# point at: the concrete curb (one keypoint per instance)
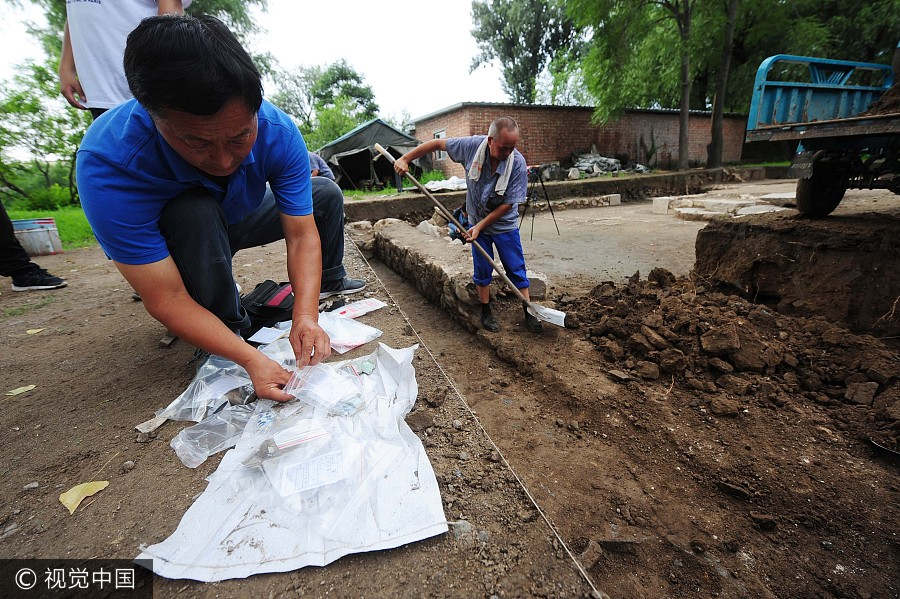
(633, 188)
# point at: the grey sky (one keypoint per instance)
(415, 56)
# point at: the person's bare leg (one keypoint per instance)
(484, 293)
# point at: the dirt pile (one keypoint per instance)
(843, 267)
(731, 352)
(888, 103)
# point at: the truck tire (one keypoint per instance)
(819, 195)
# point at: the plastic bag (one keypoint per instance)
(214, 433)
(346, 333)
(309, 466)
(335, 390)
(205, 394)
(358, 308)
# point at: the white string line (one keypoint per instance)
(597, 592)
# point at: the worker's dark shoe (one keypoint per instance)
(533, 324)
(36, 279)
(489, 323)
(345, 286)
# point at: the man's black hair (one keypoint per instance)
(189, 64)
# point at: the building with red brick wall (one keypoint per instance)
(554, 133)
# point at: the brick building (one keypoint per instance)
(551, 133)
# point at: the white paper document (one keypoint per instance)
(267, 335)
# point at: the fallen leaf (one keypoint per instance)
(19, 390)
(33, 331)
(74, 496)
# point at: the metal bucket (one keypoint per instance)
(38, 236)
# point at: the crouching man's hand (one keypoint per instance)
(311, 344)
(268, 378)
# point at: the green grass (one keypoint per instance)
(757, 164)
(19, 310)
(362, 194)
(74, 230)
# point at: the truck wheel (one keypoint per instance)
(819, 195)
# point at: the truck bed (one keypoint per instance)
(865, 125)
(830, 104)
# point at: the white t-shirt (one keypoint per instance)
(98, 30)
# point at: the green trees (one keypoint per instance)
(630, 56)
(325, 102)
(645, 53)
(40, 133)
(690, 54)
(717, 135)
(523, 35)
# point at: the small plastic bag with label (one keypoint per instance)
(311, 465)
(336, 391)
(346, 333)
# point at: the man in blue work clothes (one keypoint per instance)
(318, 167)
(496, 182)
(196, 168)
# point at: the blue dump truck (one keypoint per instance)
(845, 116)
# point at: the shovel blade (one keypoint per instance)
(550, 315)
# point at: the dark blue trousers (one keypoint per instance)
(13, 259)
(202, 243)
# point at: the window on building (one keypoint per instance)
(440, 135)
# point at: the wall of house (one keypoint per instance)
(554, 133)
(649, 137)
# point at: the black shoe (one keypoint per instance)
(533, 324)
(36, 279)
(489, 323)
(345, 286)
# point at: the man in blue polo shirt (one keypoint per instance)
(196, 168)
(496, 183)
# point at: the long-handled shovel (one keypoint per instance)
(550, 315)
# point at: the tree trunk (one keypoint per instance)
(700, 90)
(44, 171)
(717, 144)
(683, 121)
(13, 186)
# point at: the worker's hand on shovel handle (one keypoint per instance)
(472, 234)
(401, 166)
(268, 378)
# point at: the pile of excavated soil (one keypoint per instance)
(732, 351)
(843, 267)
(888, 103)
